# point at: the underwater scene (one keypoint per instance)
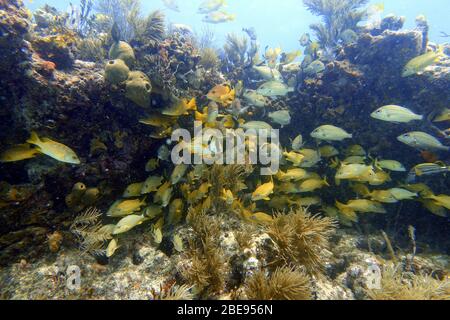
(224, 150)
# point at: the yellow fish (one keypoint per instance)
(228, 122)
(175, 212)
(19, 153)
(128, 223)
(159, 121)
(420, 63)
(151, 184)
(209, 6)
(355, 160)
(112, 248)
(261, 218)
(419, 188)
(271, 56)
(443, 116)
(353, 171)
(293, 175)
(306, 202)
(330, 133)
(390, 165)
(178, 244)
(364, 206)
(152, 165)
(181, 108)
(311, 158)
(263, 192)
(379, 178)
(153, 211)
(328, 151)
(222, 94)
(178, 173)
(227, 196)
(202, 117)
(287, 58)
(164, 194)
(346, 216)
(294, 157)
(123, 208)
(348, 213)
(54, 149)
(288, 188)
(434, 208)
(355, 150)
(383, 196)
(157, 235)
(402, 194)
(219, 17)
(441, 200)
(312, 185)
(133, 190)
(161, 133)
(279, 202)
(395, 114)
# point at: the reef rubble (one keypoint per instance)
(142, 271)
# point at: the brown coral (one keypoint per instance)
(54, 241)
(397, 285)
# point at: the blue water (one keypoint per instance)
(281, 22)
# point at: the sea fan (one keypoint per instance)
(91, 234)
(235, 49)
(337, 16)
(155, 26)
(126, 13)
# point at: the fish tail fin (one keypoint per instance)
(199, 117)
(426, 194)
(34, 139)
(192, 105)
(326, 182)
(340, 205)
